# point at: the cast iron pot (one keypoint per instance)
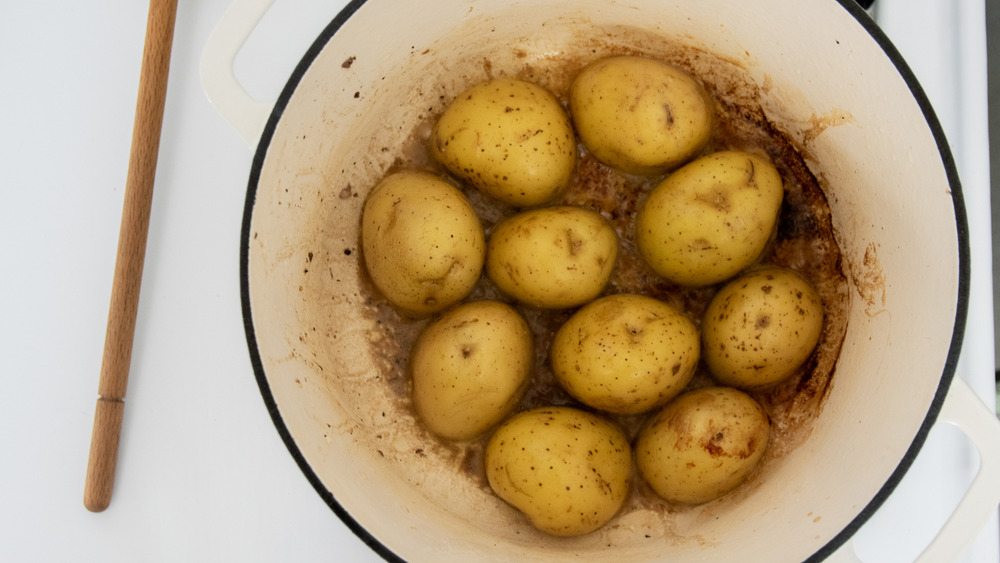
(821, 71)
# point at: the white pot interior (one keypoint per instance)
(324, 359)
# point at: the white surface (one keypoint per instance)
(202, 474)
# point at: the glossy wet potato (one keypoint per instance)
(711, 219)
(760, 327)
(568, 470)
(702, 445)
(470, 368)
(509, 138)
(552, 257)
(423, 244)
(625, 353)
(640, 115)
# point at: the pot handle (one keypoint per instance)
(963, 409)
(244, 113)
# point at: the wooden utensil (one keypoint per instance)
(131, 254)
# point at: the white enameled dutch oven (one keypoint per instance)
(823, 73)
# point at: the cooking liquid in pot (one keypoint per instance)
(804, 240)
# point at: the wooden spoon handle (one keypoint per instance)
(131, 254)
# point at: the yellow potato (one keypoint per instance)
(509, 138)
(554, 257)
(710, 219)
(567, 470)
(702, 445)
(759, 328)
(640, 115)
(422, 242)
(625, 354)
(470, 368)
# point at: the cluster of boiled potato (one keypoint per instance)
(570, 469)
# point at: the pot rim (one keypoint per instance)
(948, 372)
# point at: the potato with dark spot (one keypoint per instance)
(625, 354)
(711, 219)
(553, 257)
(759, 328)
(470, 368)
(640, 115)
(422, 242)
(567, 470)
(509, 138)
(702, 445)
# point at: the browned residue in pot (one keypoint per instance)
(869, 281)
(804, 241)
(820, 123)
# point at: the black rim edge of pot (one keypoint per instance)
(866, 513)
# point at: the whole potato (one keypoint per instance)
(702, 445)
(625, 353)
(553, 257)
(710, 219)
(567, 470)
(422, 242)
(640, 115)
(760, 327)
(470, 368)
(509, 138)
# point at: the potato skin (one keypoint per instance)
(759, 328)
(625, 354)
(509, 138)
(567, 470)
(640, 115)
(553, 257)
(710, 219)
(470, 367)
(702, 445)
(422, 242)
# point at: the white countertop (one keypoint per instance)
(202, 473)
